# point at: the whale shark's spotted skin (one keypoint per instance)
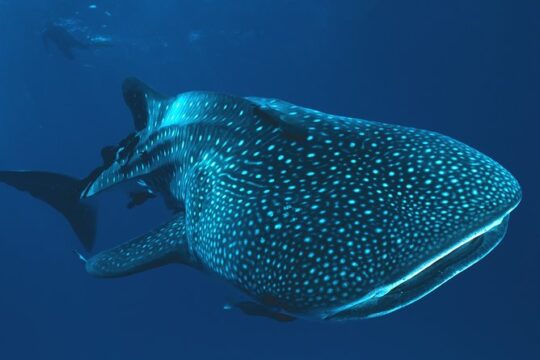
(311, 214)
(322, 222)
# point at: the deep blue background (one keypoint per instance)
(468, 69)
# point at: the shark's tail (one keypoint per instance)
(62, 193)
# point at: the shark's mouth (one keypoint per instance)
(427, 278)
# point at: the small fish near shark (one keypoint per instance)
(311, 215)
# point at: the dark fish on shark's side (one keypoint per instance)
(140, 197)
(66, 42)
(312, 215)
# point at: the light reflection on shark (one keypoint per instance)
(312, 215)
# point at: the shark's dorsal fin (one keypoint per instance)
(146, 104)
(291, 129)
(276, 113)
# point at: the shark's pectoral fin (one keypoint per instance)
(165, 245)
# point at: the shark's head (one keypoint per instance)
(369, 217)
(434, 208)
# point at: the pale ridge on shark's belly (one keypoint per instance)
(311, 214)
(375, 296)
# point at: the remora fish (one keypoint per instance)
(313, 215)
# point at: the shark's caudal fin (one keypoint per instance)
(62, 193)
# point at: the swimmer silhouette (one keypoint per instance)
(66, 42)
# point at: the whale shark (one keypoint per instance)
(310, 215)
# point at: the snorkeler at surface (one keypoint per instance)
(65, 41)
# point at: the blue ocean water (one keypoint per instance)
(468, 69)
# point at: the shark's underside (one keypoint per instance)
(311, 214)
